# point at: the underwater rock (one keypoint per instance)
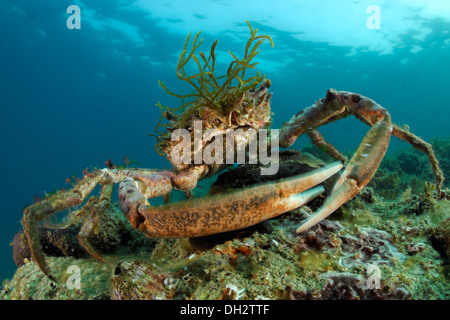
(137, 280)
(412, 204)
(29, 283)
(208, 242)
(440, 240)
(367, 195)
(329, 261)
(369, 245)
(414, 248)
(291, 163)
(55, 243)
(319, 237)
(366, 245)
(348, 286)
(112, 231)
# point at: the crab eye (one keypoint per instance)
(330, 96)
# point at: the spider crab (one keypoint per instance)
(245, 105)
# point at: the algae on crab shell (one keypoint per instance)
(225, 93)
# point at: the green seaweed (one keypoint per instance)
(209, 89)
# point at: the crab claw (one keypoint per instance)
(340, 195)
(230, 211)
(364, 163)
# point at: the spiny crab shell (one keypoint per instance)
(251, 110)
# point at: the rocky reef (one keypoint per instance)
(390, 242)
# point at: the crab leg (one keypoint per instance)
(321, 112)
(225, 212)
(425, 147)
(319, 140)
(368, 156)
(136, 188)
(98, 208)
(39, 211)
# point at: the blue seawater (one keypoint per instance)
(72, 98)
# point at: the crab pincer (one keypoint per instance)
(225, 212)
(364, 163)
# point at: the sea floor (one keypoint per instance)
(390, 243)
